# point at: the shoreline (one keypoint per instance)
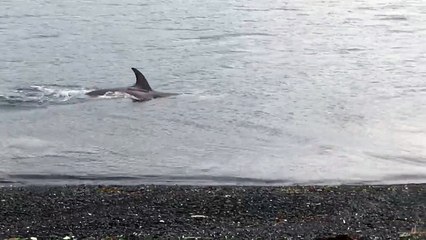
(214, 212)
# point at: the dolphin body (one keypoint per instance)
(141, 91)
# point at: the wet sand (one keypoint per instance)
(151, 211)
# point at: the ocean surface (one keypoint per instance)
(271, 92)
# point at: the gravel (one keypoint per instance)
(212, 212)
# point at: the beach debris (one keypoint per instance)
(193, 238)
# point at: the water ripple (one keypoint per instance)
(228, 35)
(401, 158)
(392, 17)
(267, 9)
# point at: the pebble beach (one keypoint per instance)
(213, 212)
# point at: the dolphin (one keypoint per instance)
(140, 91)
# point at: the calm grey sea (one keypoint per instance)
(272, 92)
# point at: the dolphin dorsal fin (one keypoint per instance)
(141, 81)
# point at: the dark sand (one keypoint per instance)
(134, 212)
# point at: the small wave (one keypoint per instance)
(267, 9)
(403, 178)
(350, 50)
(43, 179)
(26, 179)
(228, 35)
(392, 17)
(414, 160)
(23, 16)
(36, 36)
(188, 29)
(401, 31)
(366, 8)
(354, 49)
(235, 35)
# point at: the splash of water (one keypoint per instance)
(42, 96)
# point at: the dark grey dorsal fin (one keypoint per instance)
(141, 81)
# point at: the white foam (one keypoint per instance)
(113, 95)
(68, 94)
(61, 94)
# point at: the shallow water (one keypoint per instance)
(273, 92)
